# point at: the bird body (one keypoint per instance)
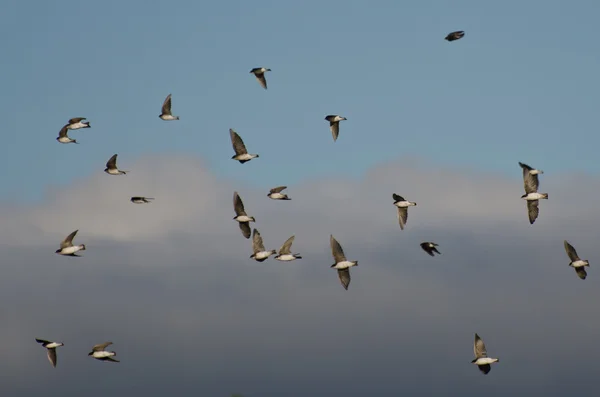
(67, 248)
(77, 123)
(63, 137)
(259, 253)
(275, 193)
(576, 262)
(402, 205)
(259, 73)
(481, 358)
(334, 124)
(111, 167)
(459, 34)
(50, 349)
(241, 154)
(341, 263)
(166, 110)
(430, 248)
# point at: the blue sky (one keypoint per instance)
(520, 86)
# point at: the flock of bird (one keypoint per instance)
(260, 254)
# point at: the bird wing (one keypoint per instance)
(42, 341)
(237, 142)
(278, 189)
(261, 79)
(335, 129)
(257, 242)
(581, 272)
(397, 197)
(76, 120)
(530, 182)
(63, 131)
(402, 216)
(344, 275)
(245, 228)
(571, 252)
(286, 248)
(101, 346)
(112, 162)
(533, 210)
(52, 356)
(486, 368)
(166, 107)
(336, 250)
(238, 205)
(68, 241)
(114, 360)
(479, 347)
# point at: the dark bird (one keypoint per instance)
(276, 194)
(481, 358)
(141, 200)
(455, 35)
(429, 247)
(241, 154)
(531, 184)
(50, 349)
(341, 263)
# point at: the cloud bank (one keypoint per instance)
(172, 285)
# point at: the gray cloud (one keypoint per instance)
(173, 280)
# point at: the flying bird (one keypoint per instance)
(276, 194)
(50, 349)
(481, 358)
(260, 76)
(531, 184)
(77, 123)
(258, 248)
(341, 264)
(240, 215)
(99, 352)
(576, 263)
(241, 154)
(402, 209)
(285, 252)
(334, 124)
(455, 35)
(111, 167)
(429, 247)
(166, 110)
(141, 200)
(67, 248)
(63, 137)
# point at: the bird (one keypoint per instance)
(429, 247)
(63, 137)
(285, 252)
(334, 124)
(99, 353)
(455, 35)
(260, 76)
(77, 123)
(240, 215)
(50, 349)
(67, 248)
(531, 184)
(241, 154)
(166, 110)
(481, 358)
(276, 194)
(111, 167)
(576, 263)
(341, 264)
(258, 248)
(402, 209)
(141, 200)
